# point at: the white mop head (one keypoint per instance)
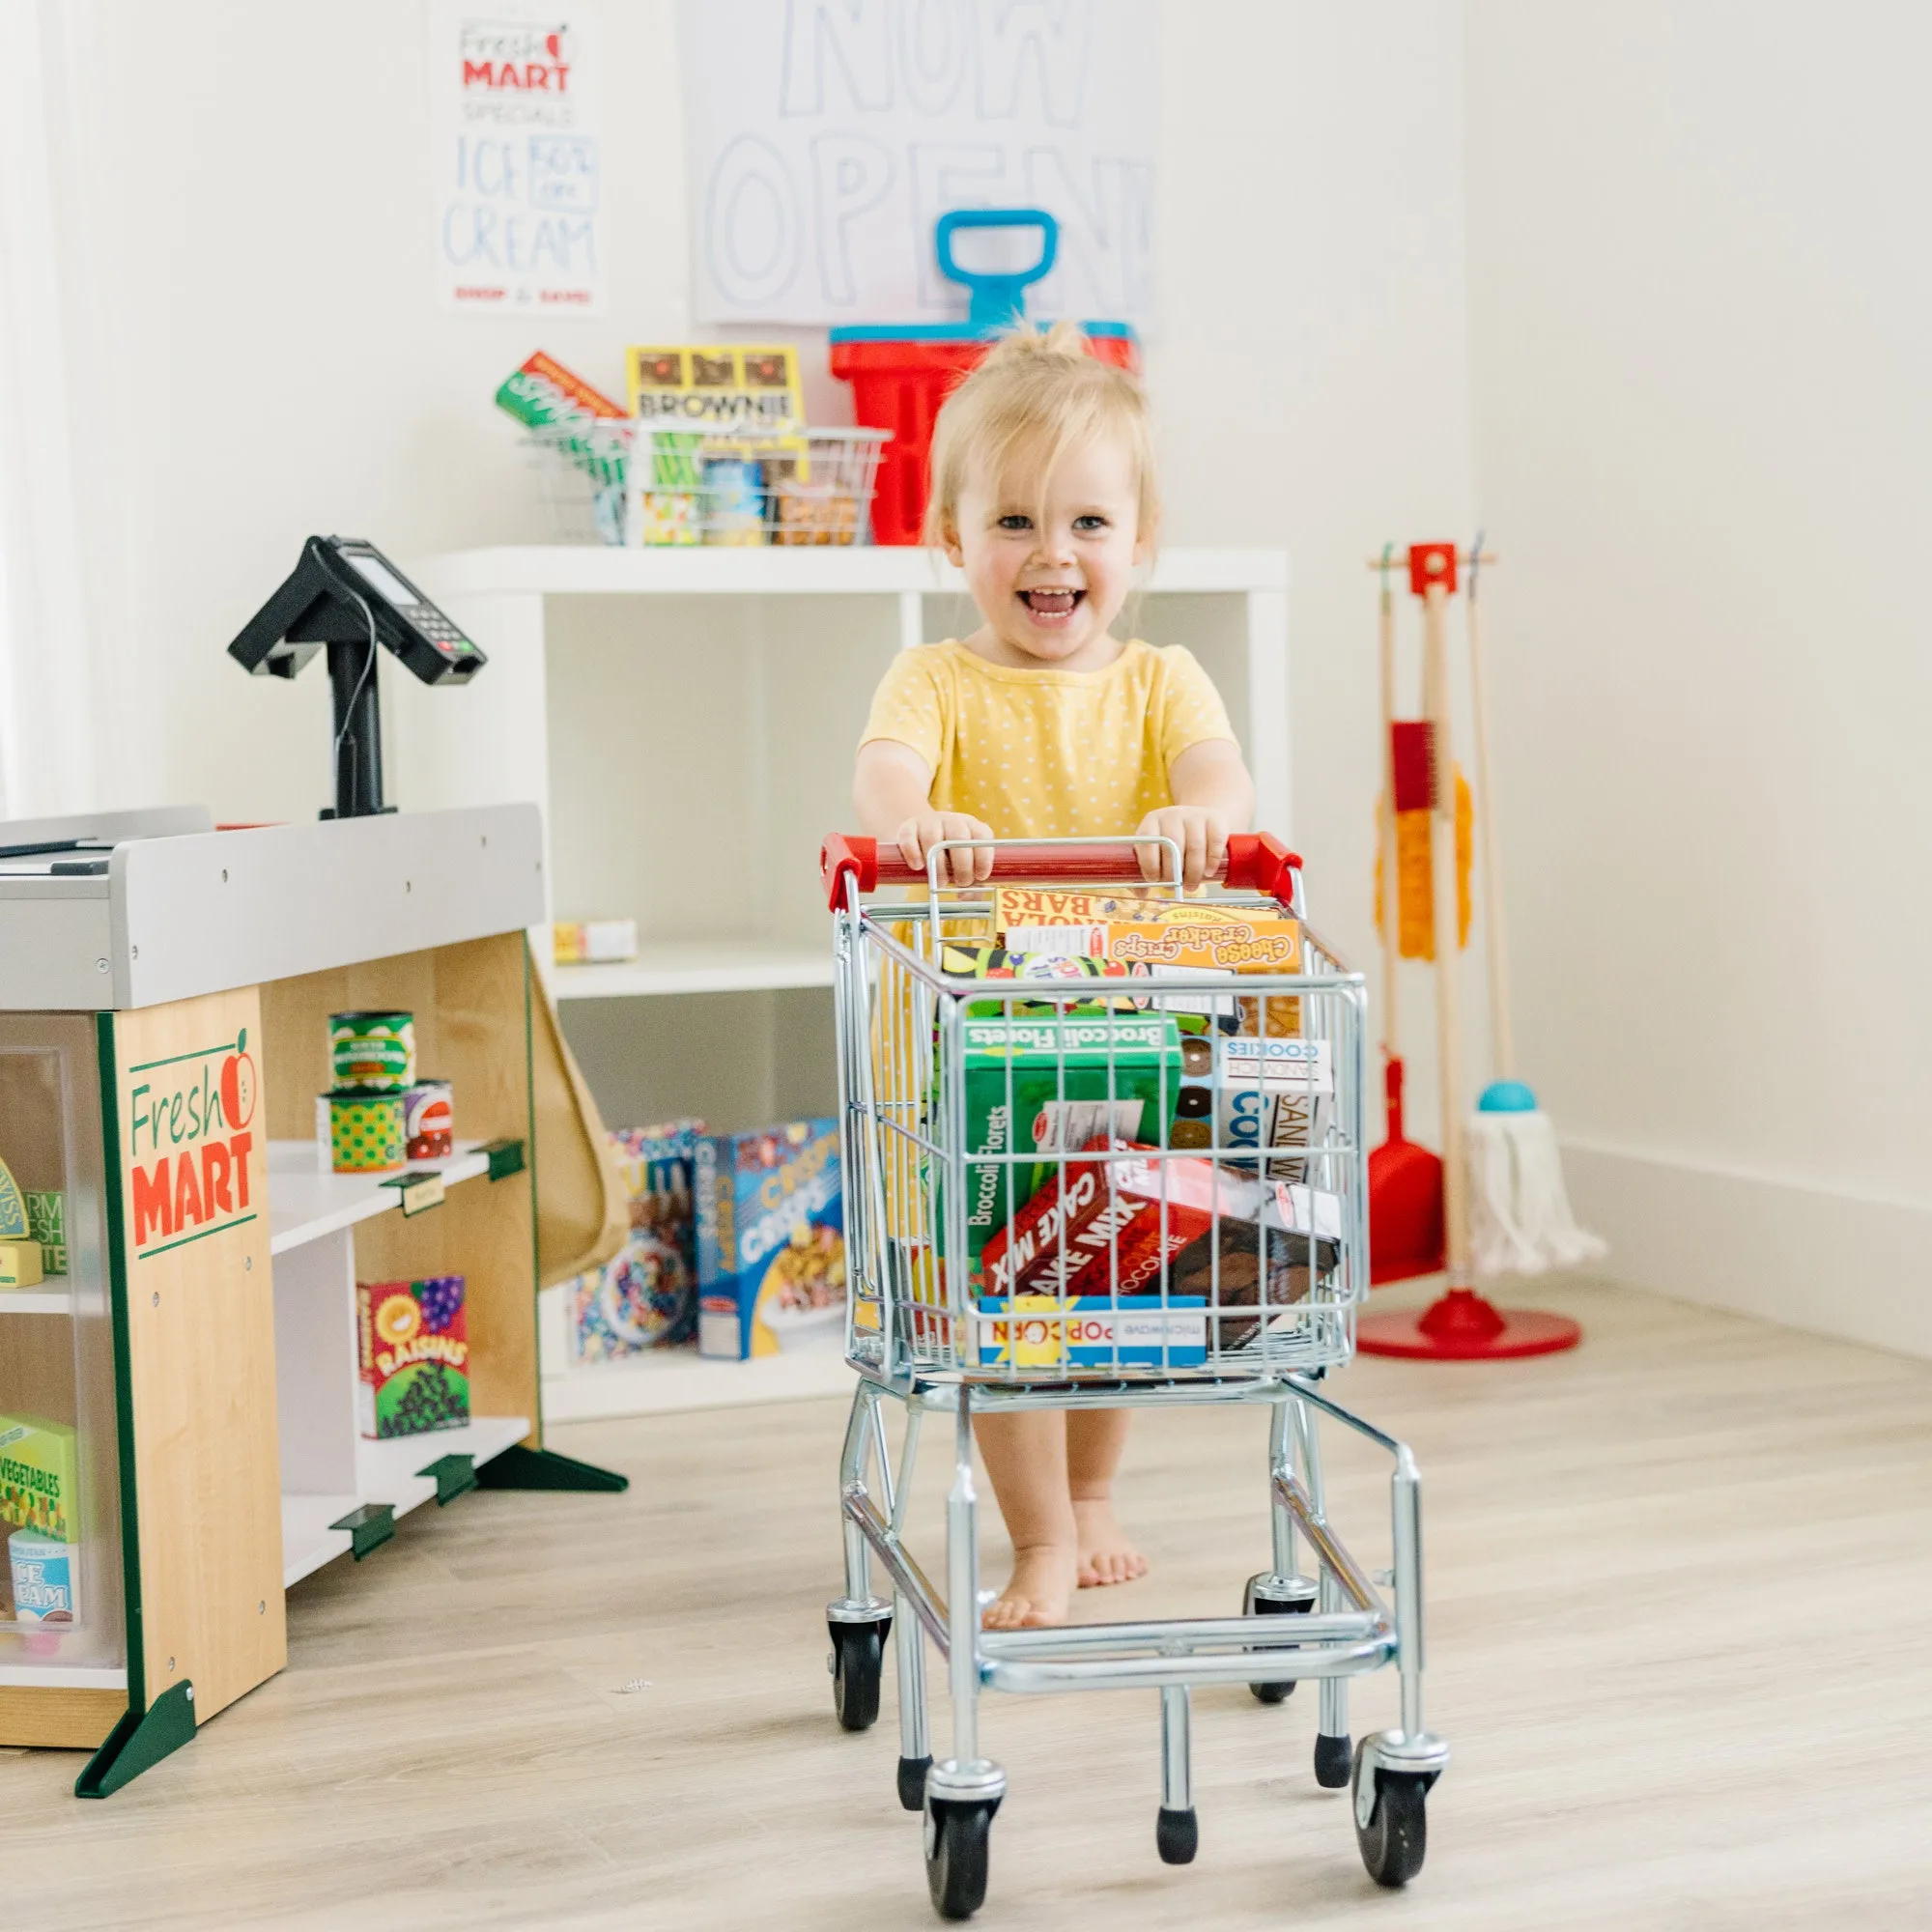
(1520, 1219)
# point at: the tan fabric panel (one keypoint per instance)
(581, 1211)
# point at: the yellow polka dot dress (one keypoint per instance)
(1049, 753)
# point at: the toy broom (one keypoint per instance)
(1459, 1326)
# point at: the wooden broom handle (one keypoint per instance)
(1503, 1042)
(1385, 831)
(1444, 897)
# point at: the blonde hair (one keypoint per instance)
(1036, 384)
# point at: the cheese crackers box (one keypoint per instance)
(1049, 1083)
(38, 1477)
(771, 1242)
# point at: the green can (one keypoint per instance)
(365, 1130)
(372, 1051)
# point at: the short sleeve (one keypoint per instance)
(1191, 711)
(909, 705)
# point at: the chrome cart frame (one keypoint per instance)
(917, 1335)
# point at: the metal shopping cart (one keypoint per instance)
(1127, 1182)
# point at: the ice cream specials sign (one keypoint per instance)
(190, 1145)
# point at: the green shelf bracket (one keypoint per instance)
(139, 1742)
(506, 1158)
(370, 1525)
(522, 1468)
(455, 1475)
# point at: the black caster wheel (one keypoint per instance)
(1331, 1761)
(912, 1782)
(1178, 1835)
(957, 1834)
(1396, 1835)
(858, 1663)
(1253, 1605)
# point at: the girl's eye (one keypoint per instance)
(1014, 521)
(1089, 524)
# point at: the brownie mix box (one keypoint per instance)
(771, 1242)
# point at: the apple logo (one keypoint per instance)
(238, 1084)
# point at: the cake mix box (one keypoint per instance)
(1045, 1082)
(39, 1489)
(771, 1242)
(415, 1351)
(645, 1296)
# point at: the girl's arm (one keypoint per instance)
(891, 791)
(1213, 796)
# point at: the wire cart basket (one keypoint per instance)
(619, 481)
(1119, 1183)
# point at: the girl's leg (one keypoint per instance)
(1025, 1455)
(1095, 1440)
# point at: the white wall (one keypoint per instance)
(257, 222)
(1701, 305)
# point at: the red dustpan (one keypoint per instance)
(1405, 1199)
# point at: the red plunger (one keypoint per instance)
(1404, 1198)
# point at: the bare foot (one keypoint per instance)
(1040, 1592)
(1106, 1557)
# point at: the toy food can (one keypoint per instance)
(365, 1131)
(43, 1578)
(372, 1051)
(429, 1120)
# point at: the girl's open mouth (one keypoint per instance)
(1046, 605)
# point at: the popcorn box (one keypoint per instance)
(771, 1242)
(1046, 1332)
(645, 1296)
(40, 1488)
(415, 1351)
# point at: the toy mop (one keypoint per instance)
(1461, 1326)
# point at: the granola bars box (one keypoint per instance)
(771, 1242)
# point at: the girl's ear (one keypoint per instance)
(948, 542)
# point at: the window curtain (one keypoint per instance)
(51, 744)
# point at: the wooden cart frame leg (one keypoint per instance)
(139, 1742)
(520, 1468)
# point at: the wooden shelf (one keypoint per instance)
(698, 966)
(387, 1473)
(304, 1204)
(784, 571)
(667, 1380)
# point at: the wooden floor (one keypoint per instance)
(1679, 1586)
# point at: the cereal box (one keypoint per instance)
(771, 1242)
(414, 1348)
(645, 1296)
(38, 1477)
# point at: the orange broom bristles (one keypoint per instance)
(1415, 889)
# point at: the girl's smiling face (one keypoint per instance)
(1050, 565)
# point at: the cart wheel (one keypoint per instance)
(957, 1834)
(912, 1782)
(1253, 1605)
(858, 1660)
(1177, 1834)
(1396, 1835)
(1331, 1761)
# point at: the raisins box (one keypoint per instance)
(415, 1347)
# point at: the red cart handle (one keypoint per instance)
(1257, 861)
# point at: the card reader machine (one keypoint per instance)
(347, 596)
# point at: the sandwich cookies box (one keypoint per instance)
(771, 1242)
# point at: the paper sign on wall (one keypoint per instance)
(826, 137)
(514, 116)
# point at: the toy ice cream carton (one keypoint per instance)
(771, 1242)
(43, 1578)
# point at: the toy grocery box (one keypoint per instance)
(1052, 1082)
(415, 1339)
(771, 1242)
(645, 1296)
(38, 1477)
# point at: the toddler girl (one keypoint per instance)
(1043, 724)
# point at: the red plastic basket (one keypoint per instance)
(900, 375)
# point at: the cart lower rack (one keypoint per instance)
(1103, 1172)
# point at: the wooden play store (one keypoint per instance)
(183, 1432)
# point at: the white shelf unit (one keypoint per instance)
(36, 1301)
(329, 1467)
(687, 720)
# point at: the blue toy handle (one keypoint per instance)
(996, 301)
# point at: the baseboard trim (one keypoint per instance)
(1806, 1258)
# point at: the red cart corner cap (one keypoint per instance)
(841, 855)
